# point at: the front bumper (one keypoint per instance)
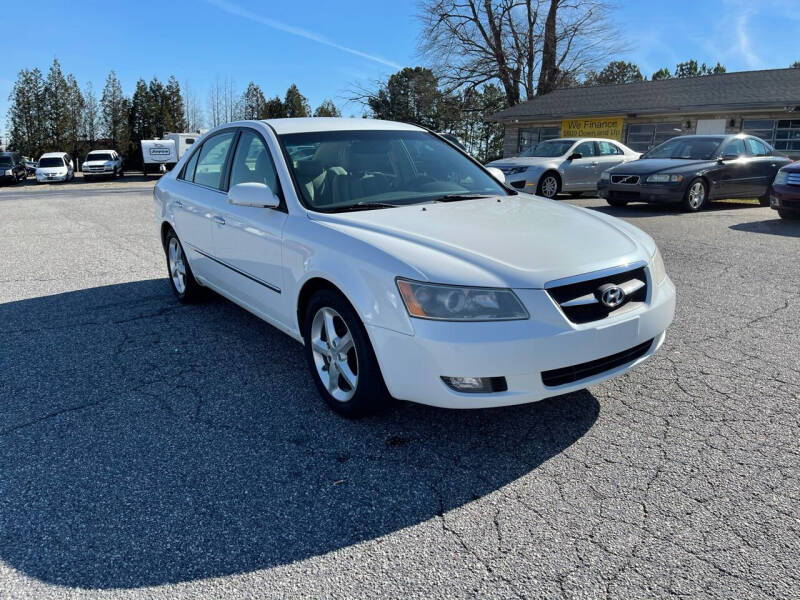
(662, 194)
(7, 178)
(785, 197)
(48, 179)
(520, 351)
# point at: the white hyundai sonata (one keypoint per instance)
(406, 268)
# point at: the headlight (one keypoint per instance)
(664, 178)
(514, 170)
(455, 303)
(605, 176)
(780, 177)
(9, 172)
(657, 270)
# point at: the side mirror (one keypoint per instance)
(257, 195)
(575, 155)
(497, 174)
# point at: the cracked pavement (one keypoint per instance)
(153, 450)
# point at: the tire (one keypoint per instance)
(576, 194)
(616, 202)
(181, 278)
(121, 173)
(696, 196)
(789, 215)
(549, 185)
(764, 200)
(359, 389)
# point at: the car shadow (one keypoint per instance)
(638, 210)
(144, 442)
(782, 227)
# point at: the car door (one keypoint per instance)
(194, 196)
(248, 241)
(579, 173)
(734, 175)
(765, 165)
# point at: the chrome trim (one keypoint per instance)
(595, 274)
(269, 286)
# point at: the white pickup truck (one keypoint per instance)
(102, 163)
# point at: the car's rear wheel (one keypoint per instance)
(616, 202)
(789, 215)
(340, 356)
(696, 195)
(181, 278)
(764, 200)
(549, 185)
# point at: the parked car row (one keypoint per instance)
(689, 170)
(58, 166)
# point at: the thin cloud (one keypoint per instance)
(303, 33)
(744, 43)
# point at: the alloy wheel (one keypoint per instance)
(177, 265)
(549, 187)
(697, 194)
(334, 354)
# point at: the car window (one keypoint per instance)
(608, 149)
(51, 161)
(585, 149)
(686, 148)
(212, 160)
(757, 148)
(188, 170)
(253, 162)
(734, 148)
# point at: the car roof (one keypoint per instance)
(93, 151)
(53, 155)
(314, 124)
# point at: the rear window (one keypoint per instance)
(52, 161)
(6, 161)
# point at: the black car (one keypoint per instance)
(12, 168)
(694, 169)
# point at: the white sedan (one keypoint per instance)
(406, 268)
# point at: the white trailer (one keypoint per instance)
(158, 156)
(183, 141)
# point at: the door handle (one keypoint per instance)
(218, 220)
(178, 203)
(595, 163)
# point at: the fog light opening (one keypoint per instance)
(476, 385)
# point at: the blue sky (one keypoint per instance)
(326, 47)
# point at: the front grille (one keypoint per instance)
(575, 373)
(625, 179)
(793, 179)
(580, 302)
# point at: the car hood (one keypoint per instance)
(510, 241)
(98, 163)
(654, 165)
(527, 161)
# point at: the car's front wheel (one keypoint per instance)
(616, 202)
(181, 278)
(549, 186)
(340, 356)
(789, 215)
(696, 195)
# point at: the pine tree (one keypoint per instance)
(90, 120)
(327, 109)
(274, 108)
(75, 105)
(114, 110)
(56, 94)
(254, 106)
(175, 120)
(26, 114)
(296, 104)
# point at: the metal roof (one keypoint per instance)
(772, 89)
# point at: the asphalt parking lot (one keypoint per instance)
(150, 449)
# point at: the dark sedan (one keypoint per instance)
(694, 169)
(785, 197)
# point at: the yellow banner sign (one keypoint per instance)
(602, 128)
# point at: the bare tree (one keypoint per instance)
(193, 112)
(515, 42)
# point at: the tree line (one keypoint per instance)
(51, 112)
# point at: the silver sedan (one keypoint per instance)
(570, 165)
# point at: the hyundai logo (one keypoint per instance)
(611, 295)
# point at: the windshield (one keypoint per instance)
(5, 161)
(53, 161)
(691, 148)
(549, 148)
(341, 170)
(104, 156)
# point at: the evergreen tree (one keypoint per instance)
(274, 108)
(75, 105)
(617, 71)
(411, 95)
(157, 109)
(56, 98)
(253, 104)
(327, 109)
(90, 121)
(662, 73)
(114, 111)
(175, 121)
(139, 116)
(296, 104)
(26, 114)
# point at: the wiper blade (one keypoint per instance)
(456, 197)
(365, 206)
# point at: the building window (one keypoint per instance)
(530, 136)
(787, 135)
(761, 128)
(643, 136)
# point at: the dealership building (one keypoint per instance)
(646, 113)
